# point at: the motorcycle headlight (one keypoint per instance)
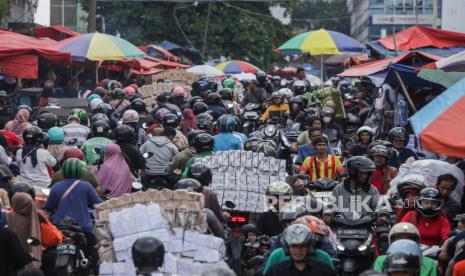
(362, 248)
(340, 247)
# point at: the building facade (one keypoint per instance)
(69, 14)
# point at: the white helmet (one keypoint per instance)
(286, 92)
(365, 129)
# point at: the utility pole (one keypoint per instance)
(92, 16)
(435, 14)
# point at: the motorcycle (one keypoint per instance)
(71, 257)
(354, 242)
(250, 118)
(236, 239)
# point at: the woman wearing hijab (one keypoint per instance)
(114, 174)
(19, 123)
(24, 222)
(188, 121)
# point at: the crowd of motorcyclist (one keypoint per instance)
(51, 171)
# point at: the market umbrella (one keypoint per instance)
(237, 67)
(205, 71)
(438, 123)
(319, 43)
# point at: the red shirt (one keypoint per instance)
(377, 179)
(433, 231)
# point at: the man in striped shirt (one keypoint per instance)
(322, 165)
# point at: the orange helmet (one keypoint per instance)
(315, 224)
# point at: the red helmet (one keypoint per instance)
(73, 153)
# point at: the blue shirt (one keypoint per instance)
(307, 150)
(75, 205)
(226, 141)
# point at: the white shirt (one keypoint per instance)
(38, 177)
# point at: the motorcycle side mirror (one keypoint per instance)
(96, 150)
(72, 141)
(147, 155)
(136, 185)
(145, 126)
(255, 261)
(229, 204)
(33, 241)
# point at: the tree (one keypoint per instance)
(4, 10)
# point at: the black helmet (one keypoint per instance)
(117, 94)
(22, 187)
(114, 84)
(292, 210)
(201, 173)
(190, 184)
(192, 134)
(429, 195)
(249, 228)
(379, 150)
(199, 107)
(402, 261)
(47, 120)
(170, 120)
(100, 129)
(99, 91)
(203, 142)
(148, 253)
(226, 94)
(204, 121)
(212, 85)
(138, 105)
(100, 117)
(104, 108)
(33, 135)
(299, 87)
(123, 133)
(194, 100)
(398, 133)
(214, 98)
(359, 164)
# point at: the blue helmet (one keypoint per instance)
(225, 123)
(203, 85)
(56, 135)
(405, 245)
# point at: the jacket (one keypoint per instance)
(163, 151)
(180, 140)
(343, 192)
(226, 141)
(275, 111)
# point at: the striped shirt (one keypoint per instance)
(317, 169)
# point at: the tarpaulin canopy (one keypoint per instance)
(408, 74)
(168, 45)
(446, 79)
(381, 65)
(438, 124)
(421, 36)
(15, 44)
(55, 32)
(151, 49)
(23, 66)
(379, 51)
(453, 63)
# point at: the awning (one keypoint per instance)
(54, 32)
(421, 36)
(408, 74)
(377, 50)
(446, 79)
(23, 66)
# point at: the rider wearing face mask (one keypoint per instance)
(330, 128)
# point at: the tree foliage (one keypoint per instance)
(4, 10)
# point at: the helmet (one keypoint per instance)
(104, 108)
(200, 172)
(47, 120)
(99, 91)
(304, 99)
(129, 91)
(33, 135)
(404, 229)
(299, 87)
(408, 246)
(178, 91)
(225, 123)
(212, 85)
(105, 82)
(296, 104)
(100, 129)
(81, 114)
(327, 111)
(286, 92)
(379, 150)
(194, 100)
(148, 252)
(203, 142)
(199, 107)
(261, 76)
(203, 85)
(299, 234)
(114, 84)
(190, 184)
(93, 97)
(191, 135)
(138, 105)
(161, 113)
(130, 116)
(226, 94)
(291, 211)
(170, 120)
(402, 262)
(429, 195)
(123, 133)
(267, 148)
(366, 129)
(228, 83)
(73, 153)
(249, 228)
(100, 117)
(279, 188)
(204, 121)
(276, 78)
(359, 164)
(214, 99)
(21, 187)
(398, 133)
(277, 95)
(315, 224)
(410, 181)
(73, 168)
(5, 172)
(56, 136)
(117, 94)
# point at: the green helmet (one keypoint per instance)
(81, 114)
(228, 83)
(73, 168)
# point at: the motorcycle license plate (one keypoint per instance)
(66, 249)
(323, 196)
(352, 233)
